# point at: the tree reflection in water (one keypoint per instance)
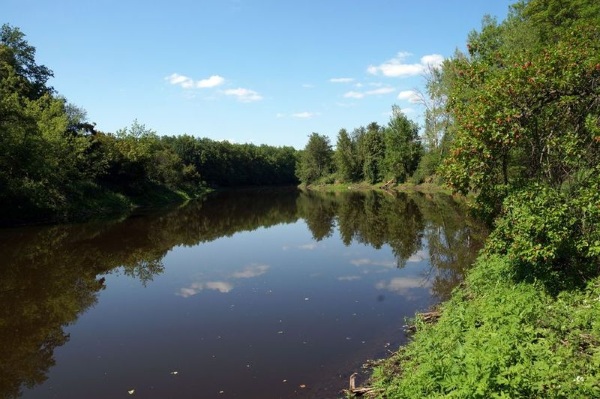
(51, 275)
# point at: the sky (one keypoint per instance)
(247, 71)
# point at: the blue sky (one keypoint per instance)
(261, 71)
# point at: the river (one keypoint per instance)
(243, 294)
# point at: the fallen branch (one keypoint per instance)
(359, 391)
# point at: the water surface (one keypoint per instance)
(257, 294)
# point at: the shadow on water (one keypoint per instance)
(49, 276)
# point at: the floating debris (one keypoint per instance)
(174, 372)
(131, 391)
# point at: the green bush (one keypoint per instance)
(550, 234)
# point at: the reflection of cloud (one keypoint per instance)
(307, 247)
(401, 285)
(372, 262)
(221, 286)
(349, 278)
(418, 256)
(251, 271)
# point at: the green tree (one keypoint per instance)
(345, 157)
(315, 160)
(403, 147)
(372, 151)
(533, 119)
(21, 56)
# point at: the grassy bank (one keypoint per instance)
(499, 337)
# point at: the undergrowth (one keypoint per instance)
(501, 338)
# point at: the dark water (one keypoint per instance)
(272, 294)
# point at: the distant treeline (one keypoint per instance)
(55, 164)
(373, 154)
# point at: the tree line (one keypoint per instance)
(371, 154)
(55, 163)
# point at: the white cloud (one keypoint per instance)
(304, 115)
(354, 94)
(397, 67)
(188, 83)
(251, 271)
(308, 85)
(341, 80)
(243, 95)
(408, 110)
(279, 115)
(383, 90)
(374, 92)
(213, 81)
(410, 95)
(181, 80)
(433, 60)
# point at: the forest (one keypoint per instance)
(56, 165)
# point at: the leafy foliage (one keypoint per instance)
(316, 160)
(497, 339)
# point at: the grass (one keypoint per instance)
(499, 337)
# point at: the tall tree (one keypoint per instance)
(345, 157)
(316, 159)
(373, 151)
(21, 55)
(403, 147)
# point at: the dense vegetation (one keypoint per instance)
(519, 121)
(373, 154)
(55, 164)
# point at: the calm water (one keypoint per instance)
(272, 294)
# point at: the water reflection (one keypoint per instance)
(50, 276)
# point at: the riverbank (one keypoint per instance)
(90, 201)
(501, 336)
(426, 188)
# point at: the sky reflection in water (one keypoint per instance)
(285, 306)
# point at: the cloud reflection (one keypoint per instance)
(402, 285)
(418, 256)
(308, 247)
(250, 271)
(373, 262)
(253, 270)
(221, 286)
(349, 278)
